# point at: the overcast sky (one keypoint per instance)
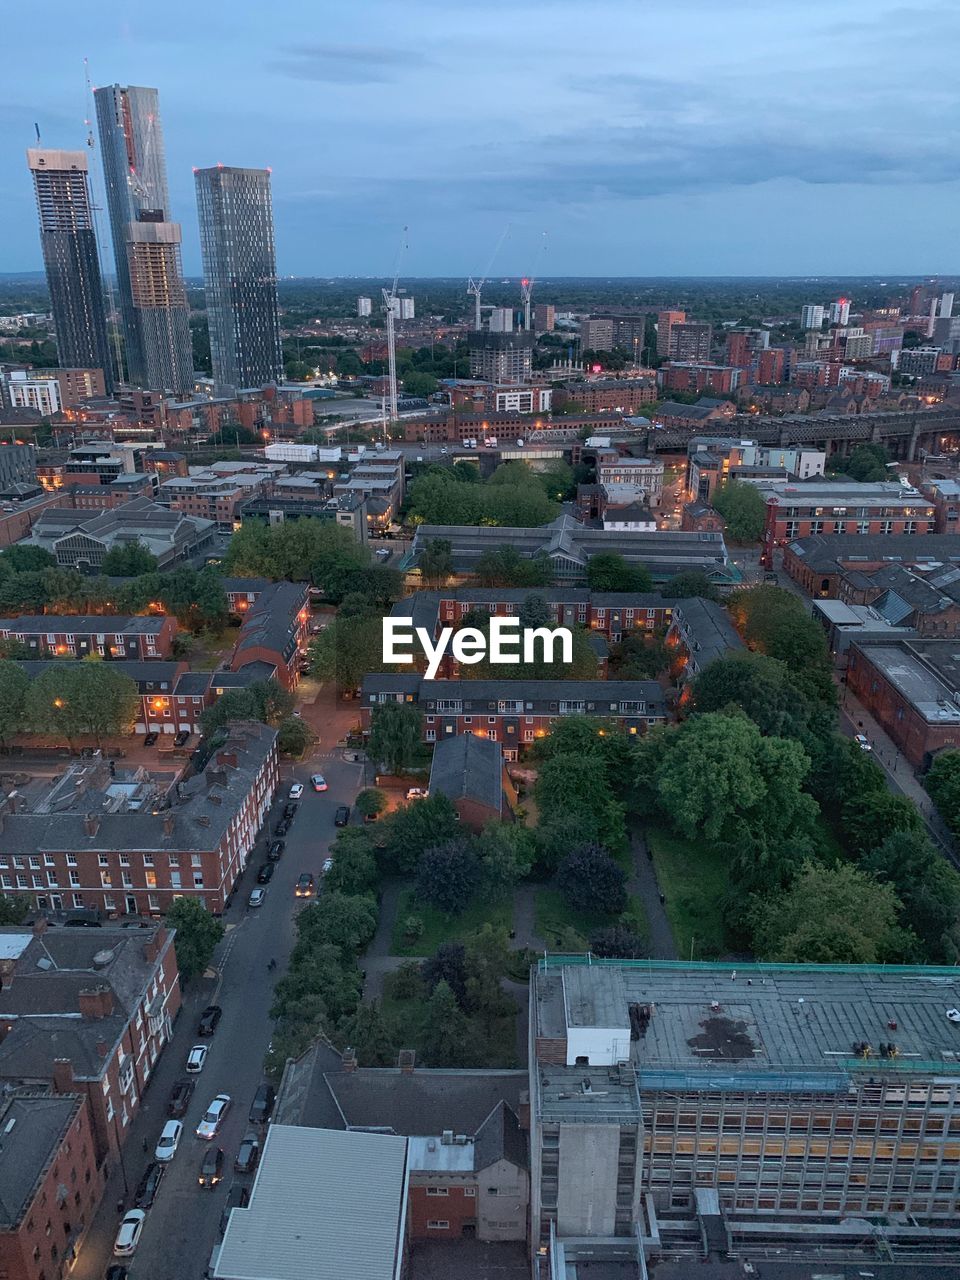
(644, 137)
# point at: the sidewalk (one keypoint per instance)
(643, 883)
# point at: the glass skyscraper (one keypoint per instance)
(69, 243)
(240, 276)
(146, 245)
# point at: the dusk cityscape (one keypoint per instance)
(479, 610)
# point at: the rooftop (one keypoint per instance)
(841, 492)
(31, 1131)
(706, 628)
(926, 672)
(598, 695)
(828, 550)
(468, 767)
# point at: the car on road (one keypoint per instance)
(327, 865)
(417, 793)
(182, 1092)
(342, 816)
(151, 739)
(149, 1185)
(863, 742)
(282, 827)
(275, 850)
(262, 1104)
(296, 791)
(248, 1155)
(196, 1058)
(238, 1197)
(318, 782)
(265, 874)
(209, 1019)
(128, 1237)
(213, 1116)
(256, 897)
(289, 812)
(116, 1272)
(169, 1140)
(211, 1167)
(305, 886)
(181, 739)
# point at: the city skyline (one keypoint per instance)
(699, 169)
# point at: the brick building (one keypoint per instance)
(911, 687)
(675, 415)
(703, 632)
(274, 631)
(140, 638)
(698, 517)
(820, 563)
(770, 366)
(623, 395)
(470, 772)
(924, 597)
(945, 496)
(692, 376)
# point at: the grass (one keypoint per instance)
(207, 651)
(562, 926)
(438, 927)
(693, 877)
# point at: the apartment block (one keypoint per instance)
(138, 638)
(697, 376)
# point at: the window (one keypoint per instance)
(78, 901)
(469, 1191)
(438, 1224)
(437, 1191)
(35, 864)
(103, 860)
(71, 859)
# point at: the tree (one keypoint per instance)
(14, 683)
(558, 833)
(758, 685)
(196, 938)
(590, 880)
(418, 827)
(370, 1035)
(235, 704)
(396, 730)
(127, 559)
(830, 915)
(694, 582)
(506, 853)
(370, 803)
(446, 1035)
(436, 560)
(293, 736)
(449, 875)
(743, 509)
(22, 558)
(419, 384)
(74, 698)
(618, 942)
(866, 463)
(641, 656)
(609, 571)
(347, 922)
(534, 611)
(448, 964)
(775, 622)
(347, 650)
(928, 888)
(943, 785)
(14, 910)
(505, 567)
(569, 784)
(354, 869)
(867, 820)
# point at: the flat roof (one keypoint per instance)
(926, 675)
(326, 1203)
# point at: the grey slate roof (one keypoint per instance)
(146, 675)
(825, 550)
(499, 1138)
(706, 629)
(271, 623)
(81, 624)
(468, 767)
(31, 1131)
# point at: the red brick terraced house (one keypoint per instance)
(66, 636)
(274, 631)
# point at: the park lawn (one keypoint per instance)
(558, 923)
(438, 927)
(693, 877)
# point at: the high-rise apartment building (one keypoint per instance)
(501, 358)
(407, 308)
(596, 333)
(738, 349)
(69, 242)
(544, 317)
(840, 311)
(690, 340)
(665, 322)
(770, 367)
(811, 316)
(501, 320)
(146, 244)
(239, 276)
(364, 307)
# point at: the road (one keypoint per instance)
(183, 1225)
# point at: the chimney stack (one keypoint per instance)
(348, 1060)
(40, 926)
(102, 1048)
(407, 1061)
(228, 759)
(95, 1002)
(62, 1075)
(154, 944)
(168, 824)
(91, 824)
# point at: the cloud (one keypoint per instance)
(346, 63)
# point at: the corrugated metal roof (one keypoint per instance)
(326, 1203)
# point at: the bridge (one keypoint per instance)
(903, 434)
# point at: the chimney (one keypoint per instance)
(102, 1048)
(40, 926)
(168, 824)
(91, 824)
(62, 1075)
(228, 759)
(95, 1002)
(348, 1060)
(523, 1110)
(154, 944)
(215, 777)
(407, 1061)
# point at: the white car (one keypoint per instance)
(327, 865)
(861, 740)
(256, 897)
(417, 793)
(954, 1015)
(213, 1116)
(196, 1058)
(169, 1141)
(128, 1237)
(296, 791)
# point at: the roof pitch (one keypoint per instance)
(468, 767)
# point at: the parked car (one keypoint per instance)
(116, 1272)
(863, 742)
(151, 739)
(248, 1155)
(128, 1237)
(209, 1020)
(181, 1093)
(275, 850)
(149, 1185)
(282, 827)
(256, 897)
(265, 874)
(213, 1116)
(417, 793)
(342, 816)
(296, 791)
(196, 1058)
(238, 1197)
(327, 865)
(262, 1104)
(181, 739)
(211, 1167)
(169, 1140)
(318, 782)
(305, 886)
(289, 811)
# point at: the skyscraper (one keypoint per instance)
(239, 276)
(146, 245)
(69, 244)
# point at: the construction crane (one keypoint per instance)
(135, 179)
(475, 287)
(526, 284)
(391, 300)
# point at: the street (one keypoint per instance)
(183, 1225)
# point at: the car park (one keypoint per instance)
(265, 874)
(296, 791)
(151, 739)
(196, 1058)
(318, 782)
(182, 1092)
(211, 1167)
(262, 1104)
(275, 850)
(209, 1019)
(248, 1154)
(327, 865)
(342, 815)
(169, 1140)
(238, 1197)
(305, 886)
(128, 1237)
(149, 1185)
(256, 897)
(213, 1116)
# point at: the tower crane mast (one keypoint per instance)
(526, 284)
(475, 286)
(391, 302)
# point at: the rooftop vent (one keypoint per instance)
(102, 959)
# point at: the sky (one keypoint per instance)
(609, 137)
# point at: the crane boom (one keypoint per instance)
(526, 284)
(475, 287)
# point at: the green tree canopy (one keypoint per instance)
(692, 583)
(417, 827)
(127, 559)
(396, 731)
(345, 921)
(197, 936)
(354, 869)
(74, 698)
(505, 567)
(943, 785)
(449, 875)
(578, 786)
(743, 509)
(609, 571)
(14, 683)
(868, 819)
(436, 560)
(590, 880)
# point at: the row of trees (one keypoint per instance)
(69, 699)
(514, 495)
(319, 551)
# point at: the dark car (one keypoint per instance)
(342, 816)
(209, 1019)
(265, 874)
(305, 887)
(238, 1197)
(248, 1155)
(116, 1272)
(282, 827)
(262, 1104)
(289, 809)
(151, 739)
(180, 1096)
(211, 1167)
(182, 738)
(150, 1185)
(275, 850)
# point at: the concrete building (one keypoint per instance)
(469, 770)
(689, 341)
(364, 307)
(714, 460)
(839, 311)
(917, 361)
(770, 365)
(632, 479)
(677, 416)
(544, 317)
(924, 597)
(598, 395)
(665, 322)
(27, 392)
(501, 357)
(811, 316)
(702, 630)
(945, 495)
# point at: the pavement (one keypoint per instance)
(183, 1225)
(643, 884)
